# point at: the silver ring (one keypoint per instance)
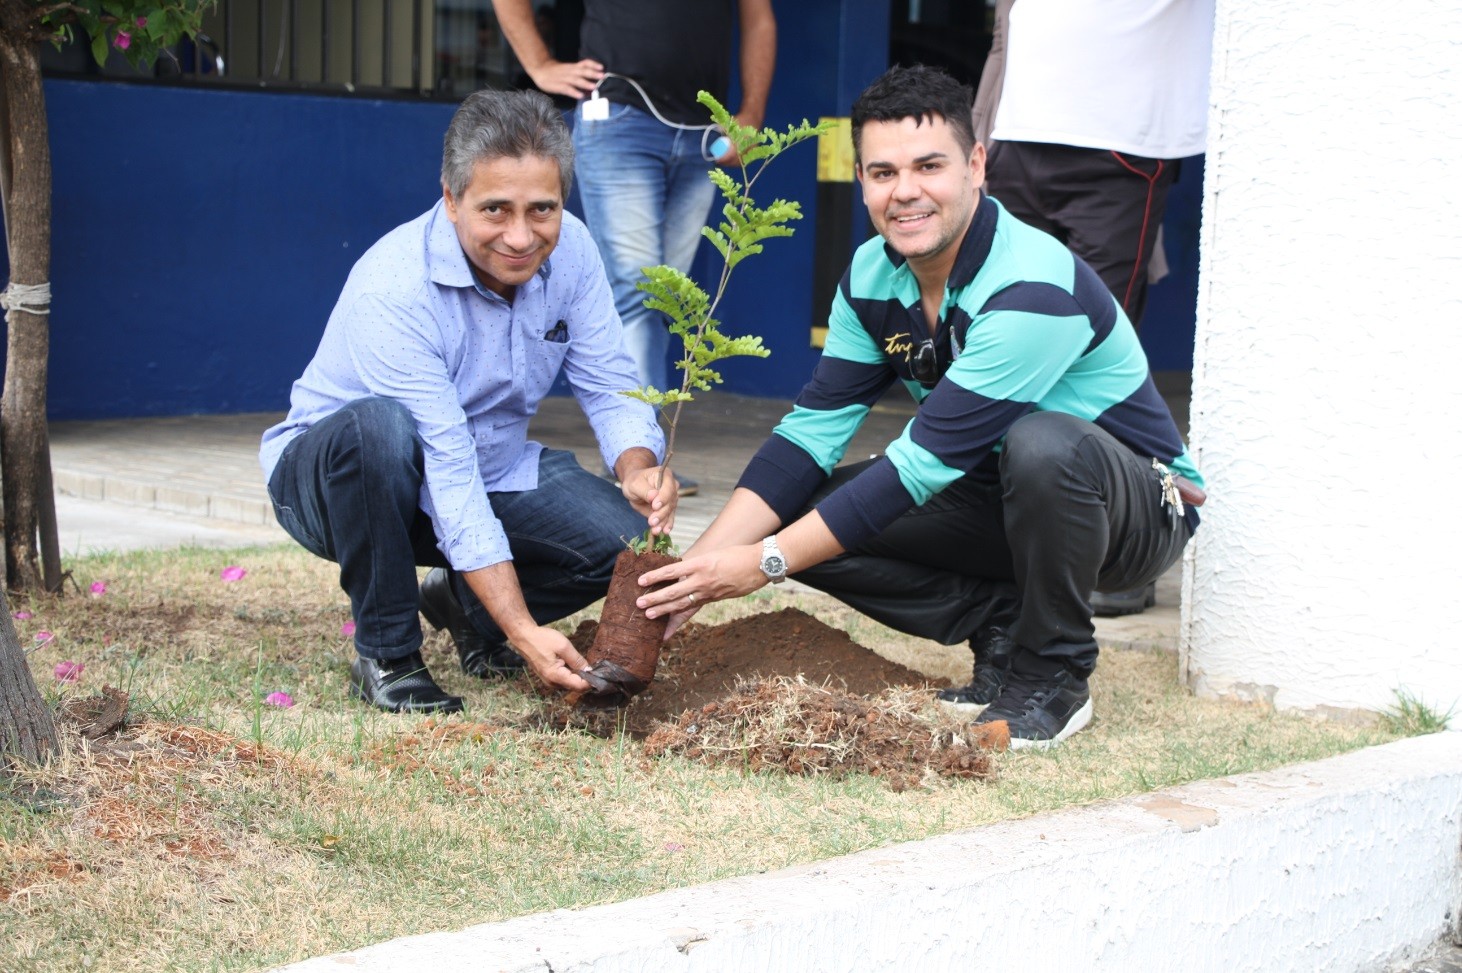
(690, 597)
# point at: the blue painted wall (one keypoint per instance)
(201, 236)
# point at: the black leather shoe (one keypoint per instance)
(400, 686)
(480, 655)
(1110, 604)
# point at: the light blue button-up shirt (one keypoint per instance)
(413, 324)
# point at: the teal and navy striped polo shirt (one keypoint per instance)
(1025, 326)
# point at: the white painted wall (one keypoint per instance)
(1327, 402)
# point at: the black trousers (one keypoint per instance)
(1105, 206)
(1074, 511)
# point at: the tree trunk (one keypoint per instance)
(27, 727)
(28, 215)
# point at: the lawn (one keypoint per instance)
(221, 831)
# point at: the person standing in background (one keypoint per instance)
(1087, 110)
(644, 144)
(1098, 104)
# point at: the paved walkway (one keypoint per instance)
(196, 480)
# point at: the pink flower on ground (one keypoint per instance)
(21, 616)
(69, 671)
(123, 41)
(348, 629)
(98, 588)
(43, 637)
(282, 700)
(232, 573)
(673, 846)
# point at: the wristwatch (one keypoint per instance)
(773, 564)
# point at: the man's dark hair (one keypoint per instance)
(919, 92)
(496, 124)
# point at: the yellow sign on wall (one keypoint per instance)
(835, 151)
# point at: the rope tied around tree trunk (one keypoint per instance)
(31, 298)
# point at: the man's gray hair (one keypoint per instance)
(505, 124)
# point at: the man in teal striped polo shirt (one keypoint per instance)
(1042, 463)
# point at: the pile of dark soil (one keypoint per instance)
(703, 663)
(784, 691)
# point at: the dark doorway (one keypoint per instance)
(951, 34)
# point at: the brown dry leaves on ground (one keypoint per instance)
(791, 726)
(144, 792)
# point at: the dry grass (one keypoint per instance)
(220, 833)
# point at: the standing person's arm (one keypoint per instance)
(758, 63)
(575, 79)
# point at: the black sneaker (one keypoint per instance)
(1041, 711)
(1110, 604)
(993, 650)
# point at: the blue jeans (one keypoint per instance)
(646, 196)
(347, 490)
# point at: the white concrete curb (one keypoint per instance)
(1346, 864)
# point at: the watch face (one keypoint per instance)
(773, 565)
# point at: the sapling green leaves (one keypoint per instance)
(687, 305)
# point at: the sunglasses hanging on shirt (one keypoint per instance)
(925, 365)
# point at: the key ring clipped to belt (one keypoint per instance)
(711, 150)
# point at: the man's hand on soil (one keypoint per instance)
(552, 658)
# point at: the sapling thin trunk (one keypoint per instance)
(689, 308)
(626, 646)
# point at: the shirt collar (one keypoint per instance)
(974, 249)
(446, 263)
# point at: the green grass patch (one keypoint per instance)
(221, 833)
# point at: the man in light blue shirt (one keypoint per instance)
(406, 440)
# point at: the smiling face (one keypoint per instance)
(920, 189)
(508, 219)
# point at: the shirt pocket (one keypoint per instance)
(543, 361)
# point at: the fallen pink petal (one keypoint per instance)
(673, 846)
(348, 629)
(232, 573)
(123, 41)
(282, 700)
(43, 637)
(98, 587)
(22, 616)
(69, 671)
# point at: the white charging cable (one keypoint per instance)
(710, 150)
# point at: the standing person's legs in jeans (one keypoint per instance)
(646, 196)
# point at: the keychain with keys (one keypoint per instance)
(1170, 496)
